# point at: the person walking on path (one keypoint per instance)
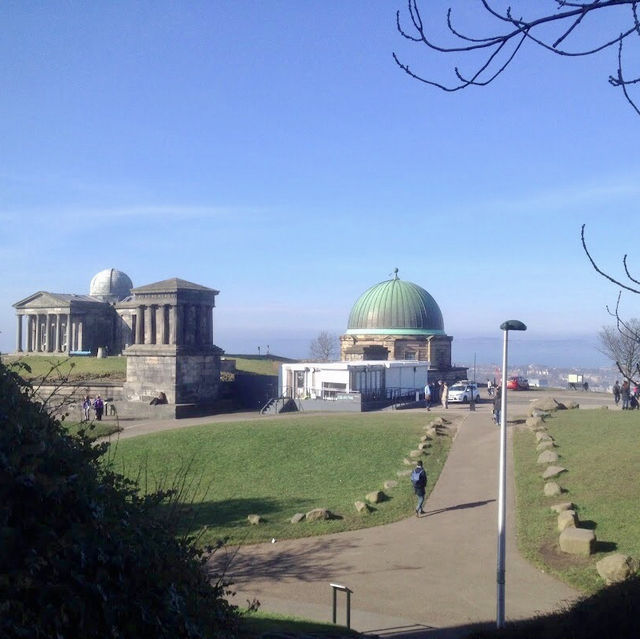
(444, 394)
(427, 395)
(497, 405)
(98, 406)
(86, 408)
(616, 392)
(419, 481)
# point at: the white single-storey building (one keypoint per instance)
(371, 379)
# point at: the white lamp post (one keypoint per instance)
(510, 325)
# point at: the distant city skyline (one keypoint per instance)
(291, 168)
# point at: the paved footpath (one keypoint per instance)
(427, 577)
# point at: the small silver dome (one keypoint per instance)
(110, 285)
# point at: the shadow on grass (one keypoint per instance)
(228, 513)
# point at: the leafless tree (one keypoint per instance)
(621, 344)
(559, 26)
(324, 348)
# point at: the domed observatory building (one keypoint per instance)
(110, 285)
(399, 320)
(70, 323)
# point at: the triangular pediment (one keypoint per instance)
(41, 299)
(45, 299)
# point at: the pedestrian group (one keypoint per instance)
(97, 405)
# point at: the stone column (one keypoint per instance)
(58, 332)
(209, 325)
(140, 325)
(47, 343)
(197, 324)
(161, 325)
(19, 334)
(191, 328)
(68, 333)
(80, 336)
(38, 347)
(173, 323)
(29, 333)
(148, 327)
(180, 325)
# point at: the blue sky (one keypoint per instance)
(273, 150)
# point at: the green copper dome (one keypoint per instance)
(395, 307)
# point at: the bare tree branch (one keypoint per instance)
(324, 347)
(601, 272)
(569, 16)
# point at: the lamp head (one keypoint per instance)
(513, 325)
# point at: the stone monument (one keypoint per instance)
(173, 351)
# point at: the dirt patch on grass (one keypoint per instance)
(553, 557)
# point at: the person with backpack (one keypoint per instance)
(419, 481)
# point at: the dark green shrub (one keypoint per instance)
(81, 553)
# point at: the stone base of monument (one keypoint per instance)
(130, 410)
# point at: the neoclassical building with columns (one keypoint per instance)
(165, 329)
(115, 315)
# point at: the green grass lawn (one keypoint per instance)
(257, 366)
(279, 467)
(601, 450)
(111, 368)
(257, 624)
(93, 429)
(73, 368)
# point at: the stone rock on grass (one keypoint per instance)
(552, 489)
(616, 567)
(390, 483)
(547, 457)
(543, 437)
(567, 519)
(572, 405)
(416, 453)
(254, 520)
(545, 444)
(319, 514)
(546, 404)
(564, 505)
(375, 496)
(361, 507)
(553, 471)
(297, 518)
(577, 541)
(408, 462)
(535, 423)
(537, 412)
(404, 473)
(424, 445)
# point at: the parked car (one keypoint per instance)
(517, 383)
(463, 392)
